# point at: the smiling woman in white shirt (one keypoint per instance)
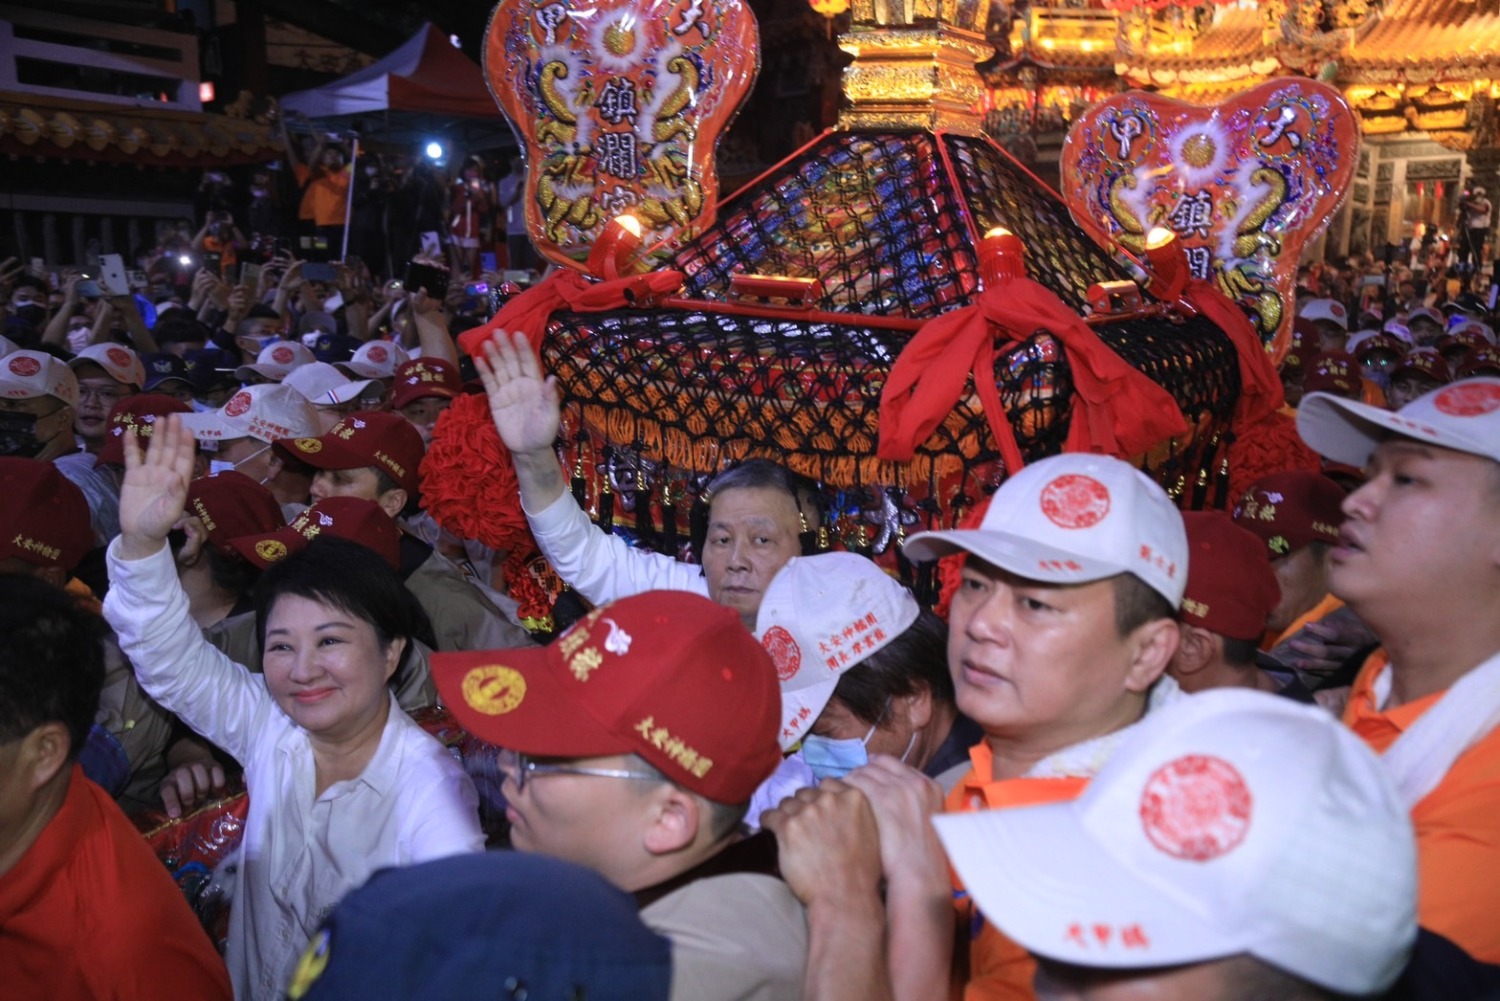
(341, 781)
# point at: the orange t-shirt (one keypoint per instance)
(1327, 606)
(1457, 824)
(999, 969)
(326, 198)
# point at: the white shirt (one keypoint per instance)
(299, 854)
(605, 567)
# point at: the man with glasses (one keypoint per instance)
(106, 373)
(632, 746)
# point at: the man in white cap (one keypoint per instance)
(1419, 560)
(332, 393)
(1059, 636)
(106, 373)
(1205, 862)
(275, 362)
(42, 390)
(1331, 319)
(239, 435)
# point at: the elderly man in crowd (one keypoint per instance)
(760, 515)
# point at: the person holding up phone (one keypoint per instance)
(219, 240)
(325, 192)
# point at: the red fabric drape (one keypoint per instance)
(1260, 386)
(1118, 410)
(528, 312)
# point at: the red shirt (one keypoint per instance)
(89, 912)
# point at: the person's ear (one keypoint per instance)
(916, 707)
(393, 656)
(44, 753)
(1195, 649)
(1151, 648)
(674, 817)
(192, 549)
(393, 501)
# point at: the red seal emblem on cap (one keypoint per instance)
(25, 367)
(1075, 501)
(1196, 808)
(1468, 400)
(785, 653)
(118, 356)
(237, 404)
(282, 355)
(378, 354)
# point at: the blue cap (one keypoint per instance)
(502, 924)
(333, 347)
(163, 367)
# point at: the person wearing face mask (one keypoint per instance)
(38, 401)
(242, 430)
(863, 672)
(28, 303)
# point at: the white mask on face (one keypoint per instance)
(217, 466)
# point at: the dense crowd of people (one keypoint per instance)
(1143, 753)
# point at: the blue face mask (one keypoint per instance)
(833, 759)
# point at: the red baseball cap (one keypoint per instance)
(1288, 510)
(45, 518)
(424, 377)
(352, 518)
(1231, 587)
(367, 438)
(667, 675)
(231, 505)
(1425, 361)
(1481, 361)
(1333, 372)
(136, 415)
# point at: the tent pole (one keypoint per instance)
(349, 199)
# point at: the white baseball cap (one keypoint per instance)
(1397, 329)
(25, 375)
(276, 361)
(820, 616)
(323, 385)
(1463, 416)
(375, 360)
(1073, 519)
(119, 363)
(1465, 325)
(1204, 837)
(1325, 309)
(266, 412)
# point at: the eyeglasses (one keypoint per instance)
(104, 394)
(518, 766)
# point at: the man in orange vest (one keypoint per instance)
(1419, 560)
(1206, 862)
(1059, 636)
